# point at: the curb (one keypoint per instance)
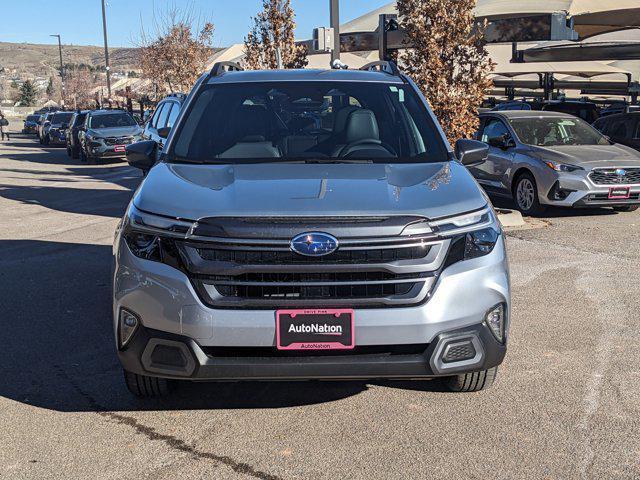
(510, 218)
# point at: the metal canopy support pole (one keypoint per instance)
(334, 12)
(106, 49)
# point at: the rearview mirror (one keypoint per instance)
(471, 152)
(164, 132)
(142, 155)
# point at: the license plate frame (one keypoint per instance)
(325, 320)
(619, 193)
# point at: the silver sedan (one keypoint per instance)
(548, 158)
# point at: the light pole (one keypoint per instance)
(61, 67)
(106, 49)
(334, 13)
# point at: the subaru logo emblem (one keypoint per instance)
(314, 244)
(621, 171)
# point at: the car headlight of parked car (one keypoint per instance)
(562, 167)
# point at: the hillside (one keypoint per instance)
(34, 60)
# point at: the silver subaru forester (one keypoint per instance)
(309, 224)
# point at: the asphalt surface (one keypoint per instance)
(566, 403)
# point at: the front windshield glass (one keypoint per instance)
(110, 120)
(302, 121)
(62, 117)
(554, 131)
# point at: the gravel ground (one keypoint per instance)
(565, 405)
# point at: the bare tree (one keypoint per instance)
(449, 63)
(79, 83)
(271, 43)
(174, 56)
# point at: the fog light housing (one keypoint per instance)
(495, 320)
(127, 326)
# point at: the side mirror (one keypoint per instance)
(142, 155)
(164, 132)
(471, 152)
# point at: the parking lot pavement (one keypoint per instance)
(566, 403)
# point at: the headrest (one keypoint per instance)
(249, 123)
(361, 125)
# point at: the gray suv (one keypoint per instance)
(549, 158)
(308, 224)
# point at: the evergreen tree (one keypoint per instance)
(50, 88)
(28, 94)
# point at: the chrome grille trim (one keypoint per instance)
(607, 176)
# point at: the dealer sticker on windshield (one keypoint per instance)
(326, 329)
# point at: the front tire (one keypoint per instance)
(472, 382)
(525, 195)
(629, 208)
(46, 140)
(146, 387)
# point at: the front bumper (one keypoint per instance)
(577, 190)
(156, 353)
(170, 311)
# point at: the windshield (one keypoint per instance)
(317, 121)
(62, 117)
(33, 118)
(552, 131)
(110, 120)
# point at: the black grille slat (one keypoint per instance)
(253, 257)
(609, 177)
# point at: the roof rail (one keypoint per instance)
(385, 66)
(221, 67)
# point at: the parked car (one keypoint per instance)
(550, 158)
(54, 133)
(512, 105)
(163, 119)
(75, 125)
(106, 133)
(308, 224)
(31, 124)
(622, 128)
(43, 127)
(587, 111)
(619, 107)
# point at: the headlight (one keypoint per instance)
(472, 235)
(151, 237)
(562, 167)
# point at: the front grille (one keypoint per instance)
(610, 177)
(118, 140)
(266, 352)
(305, 286)
(248, 257)
(259, 270)
(604, 197)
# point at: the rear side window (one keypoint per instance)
(173, 115)
(161, 110)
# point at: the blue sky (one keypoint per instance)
(80, 22)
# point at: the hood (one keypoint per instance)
(117, 131)
(284, 189)
(590, 156)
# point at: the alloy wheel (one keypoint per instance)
(525, 194)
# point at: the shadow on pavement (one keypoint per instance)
(89, 201)
(56, 301)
